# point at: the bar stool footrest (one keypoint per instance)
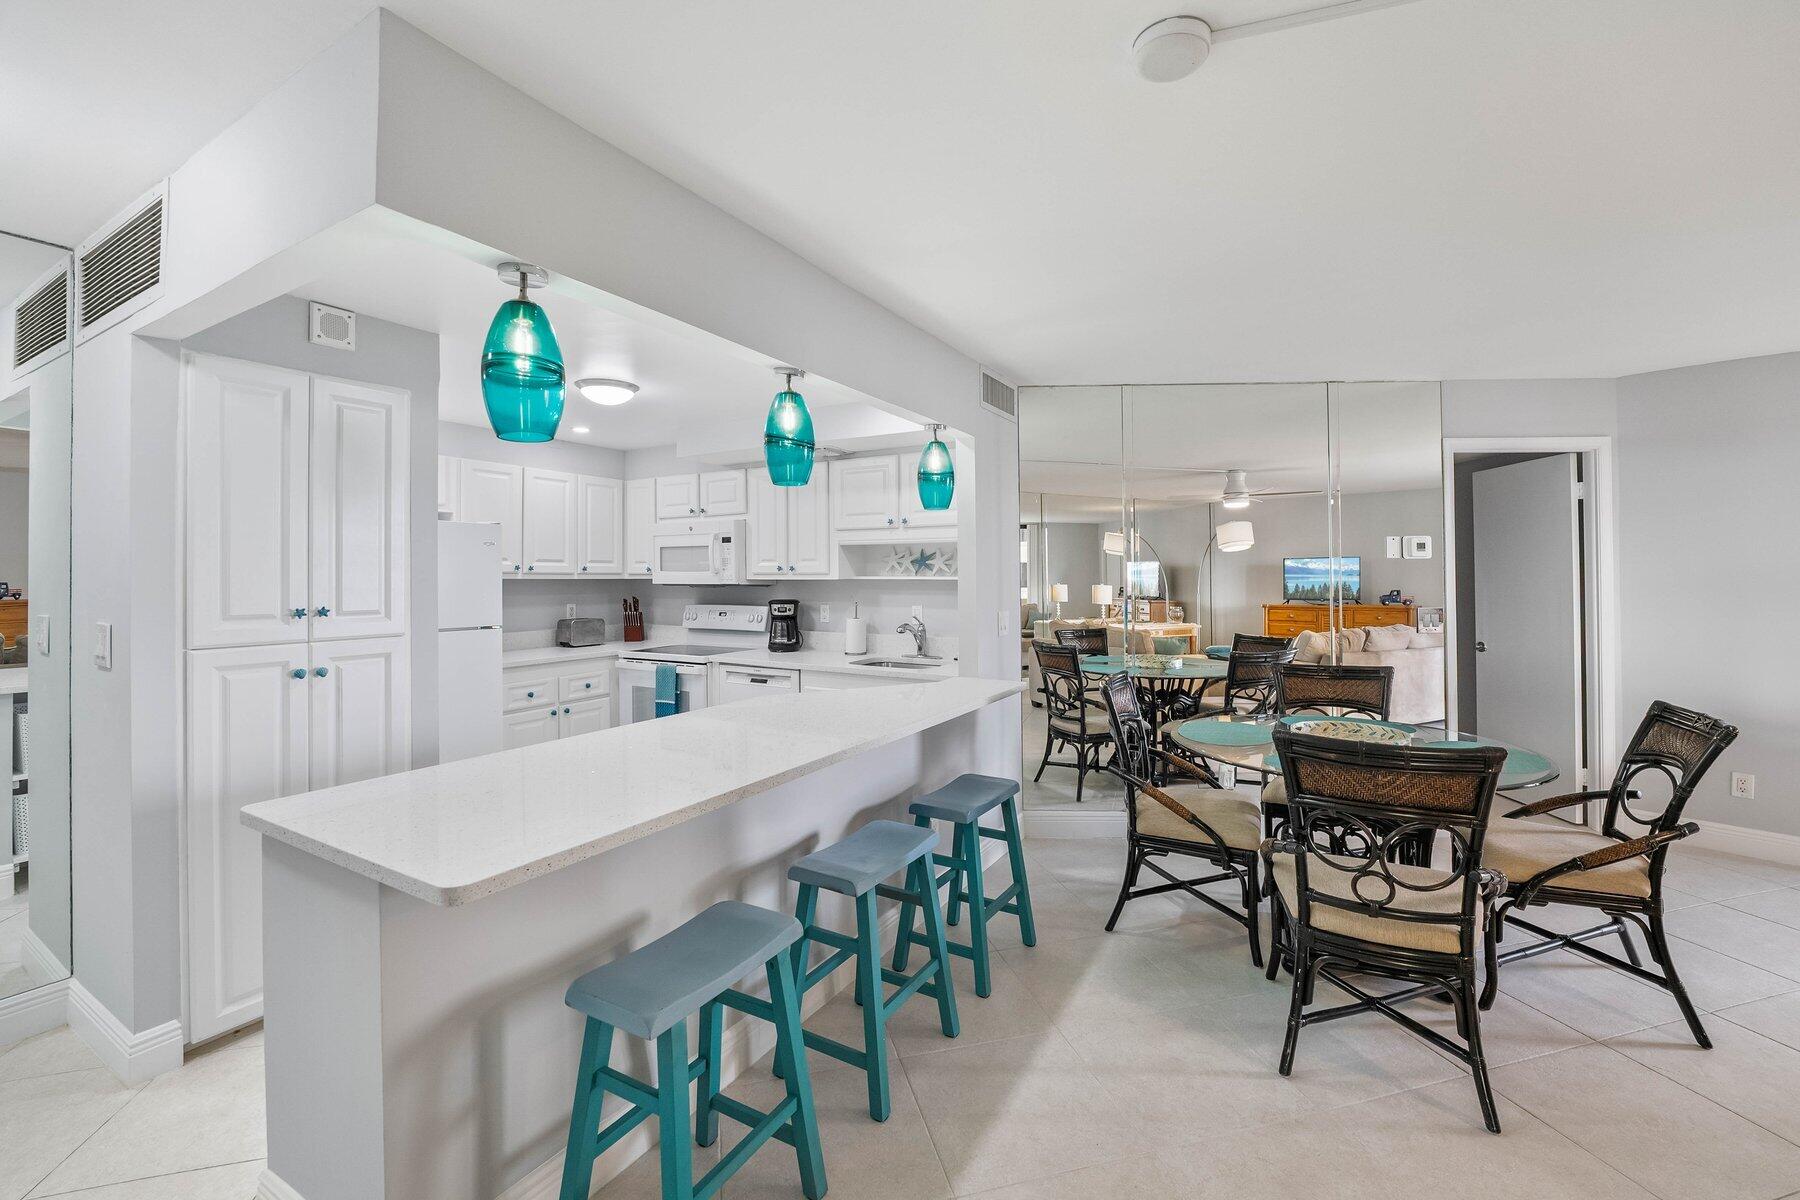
(776, 1123)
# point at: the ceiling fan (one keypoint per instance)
(1237, 493)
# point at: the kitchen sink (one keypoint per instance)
(914, 664)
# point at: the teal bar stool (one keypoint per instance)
(962, 802)
(649, 994)
(855, 867)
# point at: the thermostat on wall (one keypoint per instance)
(1418, 545)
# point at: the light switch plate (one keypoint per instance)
(41, 635)
(1393, 546)
(824, 614)
(103, 645)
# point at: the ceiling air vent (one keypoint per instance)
(999, 397)
(41, 320)
(125, 263)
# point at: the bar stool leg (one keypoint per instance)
(712, 1035)
(903, 941)
(978, 914)
(1015, 857)
(672, 1113)
(784, 1000)
(869, 991)
(921, 878)
(584, 1119)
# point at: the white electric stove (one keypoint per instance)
(730, 629)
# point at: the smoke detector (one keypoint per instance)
(1173, 48)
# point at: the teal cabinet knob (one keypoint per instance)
(323, 611)
(299, 614)
(321, 672)
(531, 695)
(587, 685)
(298, 673)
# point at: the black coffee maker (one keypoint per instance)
(784, 626)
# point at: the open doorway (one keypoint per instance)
(1529, 598)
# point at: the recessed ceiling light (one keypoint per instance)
(606, 391)
(579, 429)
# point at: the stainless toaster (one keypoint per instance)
(580, 631)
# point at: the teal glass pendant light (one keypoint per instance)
(521, 364)
(937, 474)
(788, 435)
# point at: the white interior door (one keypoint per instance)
(360, 696)
(809, 548)
(768, 528)
(360, 509)
(1528, 658)
(550, 519)
(601, 521)
(494, 492)
(246, 742)
(246, 502)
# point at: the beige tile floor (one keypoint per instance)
(1141, 1064)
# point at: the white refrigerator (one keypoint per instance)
(468, 595)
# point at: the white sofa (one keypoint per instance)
(1417, 659)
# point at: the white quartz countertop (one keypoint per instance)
(797, 660)
(454, 833)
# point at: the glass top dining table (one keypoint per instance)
(1154, 666)
(1248, 743)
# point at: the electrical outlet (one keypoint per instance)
(569, 611)
(824, 613)
(1743, 786)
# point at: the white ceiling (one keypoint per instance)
(1442, 189)
(688, 384)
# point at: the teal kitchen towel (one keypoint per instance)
(668, 693)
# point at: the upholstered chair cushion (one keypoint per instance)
(1387, 637)
(1385, 931)
(1520, 849)
(1274, 793)
(1232, 815)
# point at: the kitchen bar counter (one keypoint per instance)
(832, 661)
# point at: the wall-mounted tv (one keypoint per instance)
(1310, 578)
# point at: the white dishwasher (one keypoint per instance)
(731, 684)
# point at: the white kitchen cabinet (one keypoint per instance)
(677, 497)
(529, 726)
(447, 480)
(723, 494)
(359, 511)
(584, 716)
(359, 694)
(600, 526)
(790, 528)
(549, 536)
(911, 511)
(247, 741)
(640, 526)
(247, 446)
(865, 493)
(494, 492)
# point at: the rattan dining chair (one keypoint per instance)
(1185, 815)
(1619, 870)
(1073, 720)
(1084, 639)
(1250, 676)
(1328, 690)
(1345, 909)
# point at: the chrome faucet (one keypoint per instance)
(916, 627)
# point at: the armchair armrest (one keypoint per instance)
(1183, 811)
(1185, 765)
(1552, 803)
(1617, 852)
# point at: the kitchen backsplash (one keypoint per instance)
(529, 604)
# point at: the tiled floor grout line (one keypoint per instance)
(143, 1178)
(1702, 1097)
(110, 1117)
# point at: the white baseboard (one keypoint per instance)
(270, 1186)
(1761, 844)
(8, 875)
(30, 1013)
(43, 963)
(133, 1057)
(1062, 822)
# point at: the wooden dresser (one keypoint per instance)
(1291, 620)
(14, 620)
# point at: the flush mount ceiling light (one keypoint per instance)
(606, 391)
(521, 364)
(579, 429)
(1173, 48)
(1237, 490)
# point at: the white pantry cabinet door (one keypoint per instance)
(911, 511)
(246, 742)
(549, 522)
(809, 548)
(449, 477)
(360, 510)
(586, 716)
(600, 541)
(722, 494)
(677, 497)
(768, 529)
(494, 492)
(361, 699)
(640, 526)
(529, 726)
(865, 493)
(246, 502)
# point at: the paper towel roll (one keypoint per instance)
(856, 636)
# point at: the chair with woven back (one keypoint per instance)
(1346, 909)
(1184, 815)
(1327, 690)
(1619, 870)
(1084, 640)
(1250, 675)
(1072, 718)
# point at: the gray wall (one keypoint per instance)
(1707, 508)
(1070, 552)
(393, 356)
(478, 442)
(15, 506)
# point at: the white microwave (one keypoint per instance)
(699, 552)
